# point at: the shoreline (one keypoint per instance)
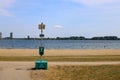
(59, 52)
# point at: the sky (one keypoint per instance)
(63, 18)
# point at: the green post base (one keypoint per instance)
(41, 64)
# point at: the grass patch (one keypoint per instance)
(104, 72)
(62, 58)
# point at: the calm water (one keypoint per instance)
(61, 44)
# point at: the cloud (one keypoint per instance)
(100, 4)
(95, 2)
(4, 13)
(4, 5)
(58, 26)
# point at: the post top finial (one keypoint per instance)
(41, 26)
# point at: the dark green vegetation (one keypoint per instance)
(104, 72)
(62, 58)
(70, 38)
(93, 38)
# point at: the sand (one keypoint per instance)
(22, 70)
(51, 52)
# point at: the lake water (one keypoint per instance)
(61, 44)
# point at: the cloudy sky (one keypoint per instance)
(62, 17)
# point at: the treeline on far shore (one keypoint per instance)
(93, 38)
(70, 38)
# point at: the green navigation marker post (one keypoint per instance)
(41, 64)
(41, 51)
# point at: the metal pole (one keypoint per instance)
(41, 48)
(41, 39)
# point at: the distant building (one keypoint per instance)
(11, 35)
(0, 35)
(28, 37)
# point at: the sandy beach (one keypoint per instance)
(51, 52)
(22, 70)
